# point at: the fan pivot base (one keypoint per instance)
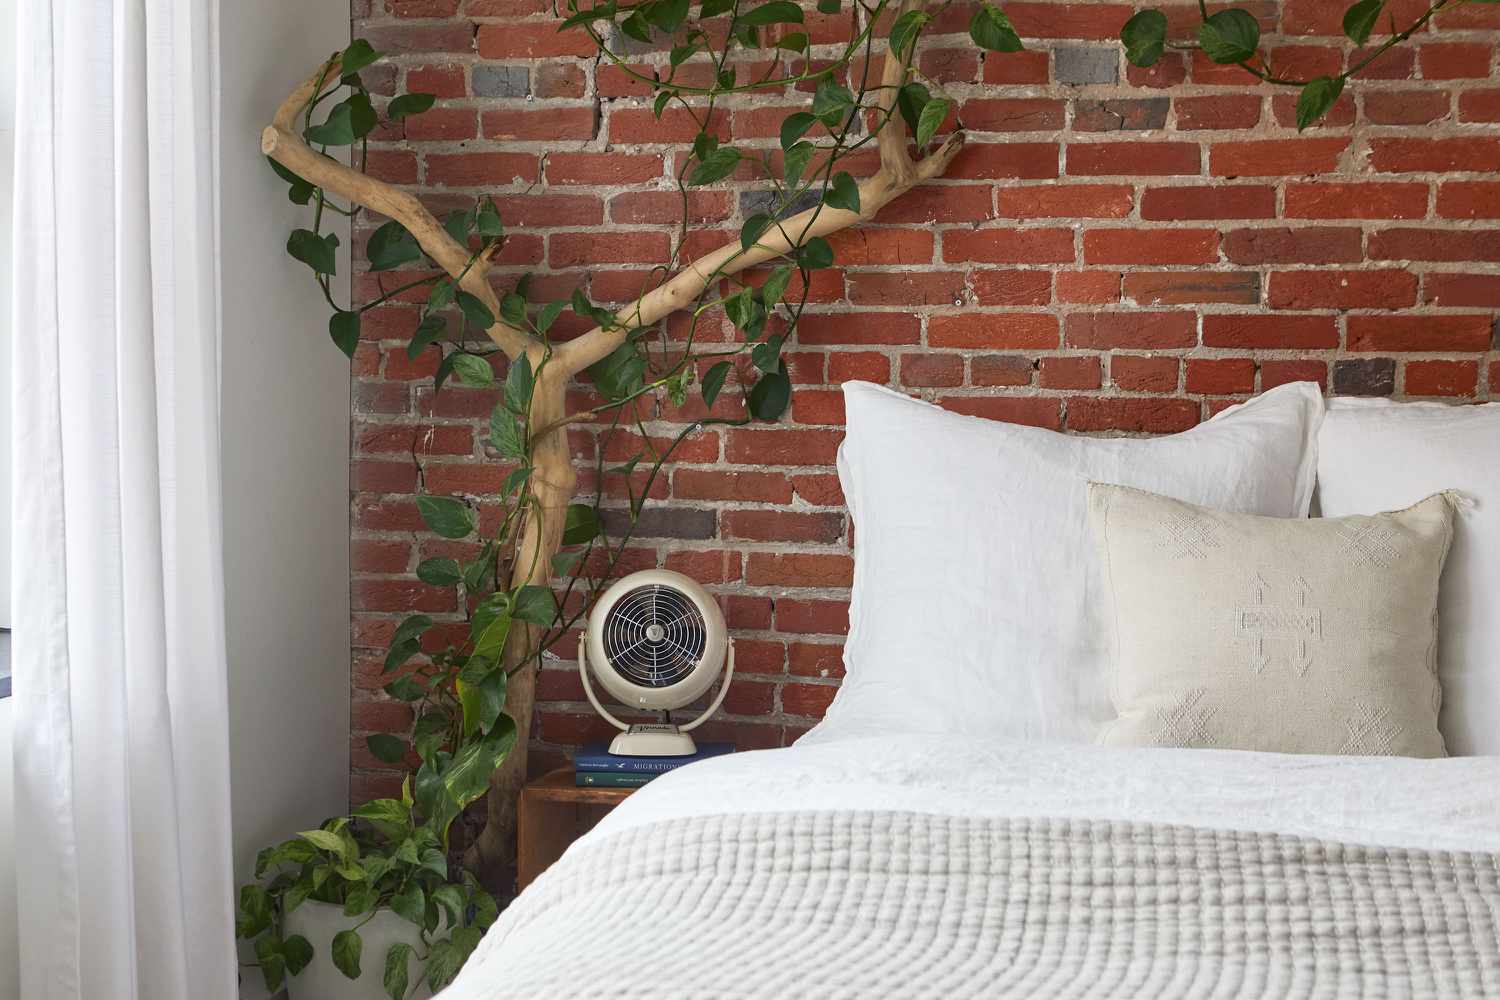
(653, 740)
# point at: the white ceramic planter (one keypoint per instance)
(321, 980)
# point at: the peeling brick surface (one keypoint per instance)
(1117, 251)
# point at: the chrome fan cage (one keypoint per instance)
(656, 640)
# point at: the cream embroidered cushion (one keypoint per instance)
(1282, 634)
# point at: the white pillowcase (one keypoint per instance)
(979, 605)
(1378, 455)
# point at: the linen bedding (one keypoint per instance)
(918, 866)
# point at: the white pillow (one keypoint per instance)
(979, 605)
(1378, 455)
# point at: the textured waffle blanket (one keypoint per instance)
(900, 904)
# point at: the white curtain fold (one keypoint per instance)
(122, 763)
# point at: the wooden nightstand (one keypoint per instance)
(554, 812)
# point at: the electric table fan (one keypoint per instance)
(655, 641)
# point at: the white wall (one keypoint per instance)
(10, 988)
(286, 455)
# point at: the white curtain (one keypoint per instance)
(122, 764)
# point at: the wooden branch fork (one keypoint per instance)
(552, 483)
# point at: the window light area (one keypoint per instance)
(7, 183)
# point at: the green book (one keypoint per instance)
(611, 779)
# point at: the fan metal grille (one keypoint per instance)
(654, 636)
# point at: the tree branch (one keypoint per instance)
(283, 142)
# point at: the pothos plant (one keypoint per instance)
(861, 95)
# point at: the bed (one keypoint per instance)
(914, 866)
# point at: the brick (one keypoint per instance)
(1151, 246)
(1421, 333)
(865, 365)
(542, 123)
(1068, 201)
(713, 484)
(666, 207)
(930, 203)
(996, 331)
(1138, 330)
(1436, 244)
(859, 328)
(1293, 246)
(1091, 287)
(1070, 373)
(1275, 157)
(1097, 159)
(1027, 66)
(1011, 287)
(906, 288)
(1364, 377)
(1469, 200)
(1222, 201)
(656, 521)
(1341, 115)
(1131, 413)
(1254, 330)
(501, 81)
(602, 168)
(798, 569)
(641, 246)
(1461, 290)
(1013, 114)
(783, 526)
(1099, 21)
(481, 169)
(932, 370)
(864, 246)
(1406, 107)
(1175, 288)
(1454, 60)
(818, 406)
(1442, 378)
(1033, 411)
(1221, 111)
(1000, 370)
(1220, 376)
(782, 447)
(1274, 373)
(540, 40)
(1135, 373)
(712, 566)
(1121, 115)
(1080, 65)
(1009, 246)
(995, 160)
(1434, 155)
(1317, 17)
(1366, 289)
(1479, 105)
(1326, 200)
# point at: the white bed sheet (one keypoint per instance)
(1446, 804)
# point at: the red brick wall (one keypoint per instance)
(1103, 257)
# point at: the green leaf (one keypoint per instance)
(475, 570)
(753, 228)
(487, 220)
(796, 160)
(619, 374)
(346, 948)
(548, 315)
(361, 114)
(602, 12)
(713, 8)
(743, 311)
(475, 311)
(391, 246)
(1230, 36)
(518, 385)
(832, 102)
(254, 913)
(580, 524)
(795, 127)
(443, 964)
(905, 31)
(1317, 98)
(815, 254)
(717, 165)
(299, 192)
(506, 434)
(564, 563)
(795, 41)
(1145, 37)
(343, 327)
(767, 355)
(513, 310)
(405, 688)
(468, 777)
(842, 193)
(384, 746)
(317, 252)
(930, 120)
(536, 605)
(775, 285)
(1359, 20)
(408, 104)
(488, 630)
(411, 627)
(272, 962)
(446, 516)
(440, 571)
(325, 840)
(357, 56)
(713, 382)
(668, 15)
(399, 653)
(473, 370)
(428, 332)
(397, 961)
(910, 100)
(775, 12)
(637, 27)
(458, 223)
(770, 396)
(828, 6)
(336, 130)
(360, 898)
(451, 899)
(298, 952)
(991, 29)
(410, 903)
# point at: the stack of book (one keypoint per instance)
(597, 767)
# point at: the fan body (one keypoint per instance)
(655, 641)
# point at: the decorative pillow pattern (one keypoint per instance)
(1257, 633)
(1378, 455)
(975, 607)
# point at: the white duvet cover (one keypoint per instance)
(1448, 804)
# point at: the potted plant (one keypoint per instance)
(367, 905)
